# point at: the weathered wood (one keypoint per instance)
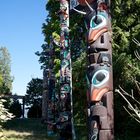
(44, 95)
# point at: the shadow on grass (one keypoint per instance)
(26, 129)
(32, 137)
(32, 129)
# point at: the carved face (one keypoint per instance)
(98, 25)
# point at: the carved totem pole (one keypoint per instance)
(66, 106)
(99, 71)
(44, 95)
(51, 97)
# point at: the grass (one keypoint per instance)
(32, 129)
(25, 129)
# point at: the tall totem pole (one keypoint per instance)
(66, 107)
(99, 70)
(51, 97)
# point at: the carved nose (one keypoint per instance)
(95, 34)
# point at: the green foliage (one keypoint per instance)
(77, 36)
(79, 89)
(44, 56)
(5, 85)
(34, 97)
(56, 36)
(4, 116)
(126, 27)
(5, 71)
(34, 92)
(35, 111)
(52, 20)
(16, 109)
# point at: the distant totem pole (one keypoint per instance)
(99, 71)
(44, 95)
(51, 97)
(66, 107)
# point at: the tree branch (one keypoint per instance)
(129, 104)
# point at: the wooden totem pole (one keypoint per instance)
(66, 106)
(99, 67)
(51, 97)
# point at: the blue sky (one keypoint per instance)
(20, 31)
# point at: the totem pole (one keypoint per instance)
(66, 107)
(51, 97)
(45, 81)
(99, 70)
(44, 95)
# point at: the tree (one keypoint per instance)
(35, 111)
(34, 92)
(15, 108)
(79, 89)
(34, 97)
(5, 84)
(5, 71)
(44, 56)
(133, 105)
(126, 27)
(133, 102)
(4, 116)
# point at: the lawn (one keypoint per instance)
(32, 129)
(25, 129)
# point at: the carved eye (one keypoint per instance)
(65, 89)
(92, 23)
(95, 21)
(99, 21)
(100, 77)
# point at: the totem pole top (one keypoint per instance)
(80, 5)
(75, 3)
